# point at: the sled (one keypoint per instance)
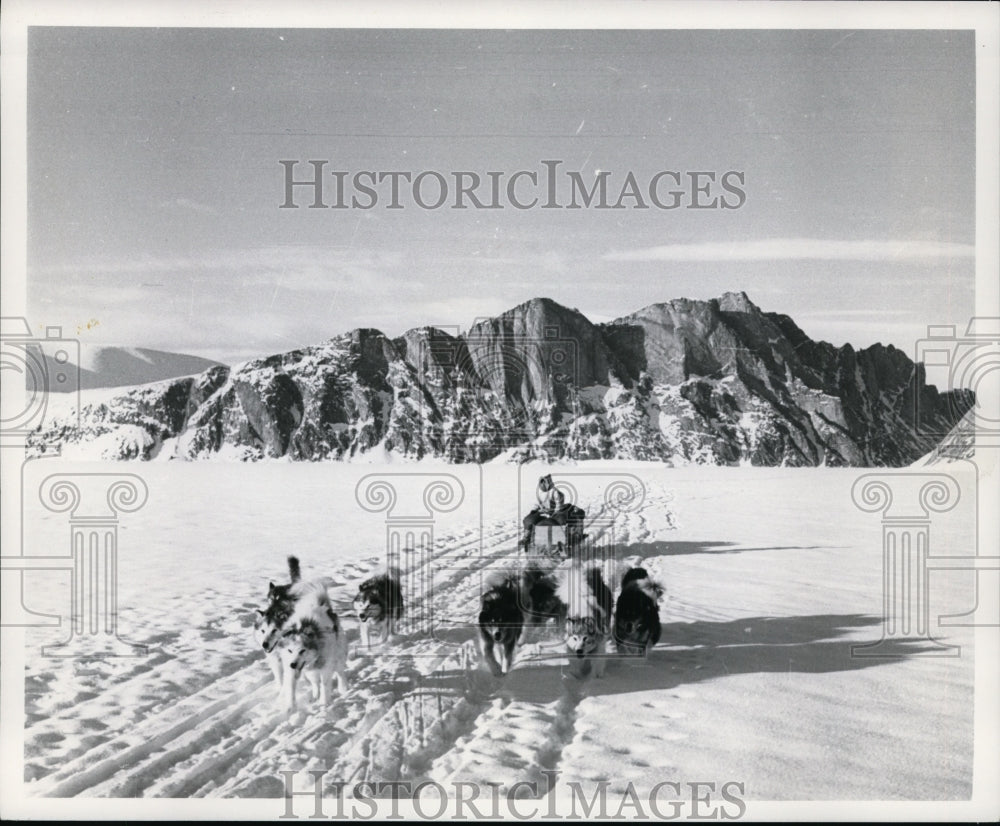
(554, 541)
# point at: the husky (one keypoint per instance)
(588, 614)
(501, 621)
(287, 603)
(317, 648)
(379, 604)
(539, 599)
(637, 613)
(267, 627)
(512, 604)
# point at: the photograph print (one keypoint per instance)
(559, 419)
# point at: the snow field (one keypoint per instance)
(770, 575)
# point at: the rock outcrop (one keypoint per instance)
(706, 382)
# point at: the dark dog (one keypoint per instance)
(501, 621)
(513, 604)
(539, 600)
(637, 613)
(379, 603)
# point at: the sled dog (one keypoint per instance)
(317, 648)
(637, 613)
(501, 621)
(539, 599)
(588, 614)
(511, 605)
(379, 605)
(287, 603)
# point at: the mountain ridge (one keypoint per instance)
(685, 381)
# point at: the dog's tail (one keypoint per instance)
(294, 568)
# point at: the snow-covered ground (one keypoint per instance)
(771, 575)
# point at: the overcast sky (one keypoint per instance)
(154, 180)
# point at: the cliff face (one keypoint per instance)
(711, 382)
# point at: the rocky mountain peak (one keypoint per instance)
(682, 381)
(737, 302)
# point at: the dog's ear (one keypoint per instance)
(260, 611)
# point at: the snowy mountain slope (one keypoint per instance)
(685, 382)
(753, 681)
(958, 444)
(102, 366)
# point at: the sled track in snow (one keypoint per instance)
(420, 709)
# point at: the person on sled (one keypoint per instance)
(552, 506)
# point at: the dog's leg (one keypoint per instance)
(323, 686)
(364, 635)
(274, 661)
(341, 675)
(508, 650)
(389, 635)
(340, 663)
(288, 690)
(315, 684)
(600, 660)
(489, 658)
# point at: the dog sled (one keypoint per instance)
(554, 528)
(555, 540)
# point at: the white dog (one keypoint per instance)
(288, 607)
(316, 647)
(588, 615)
